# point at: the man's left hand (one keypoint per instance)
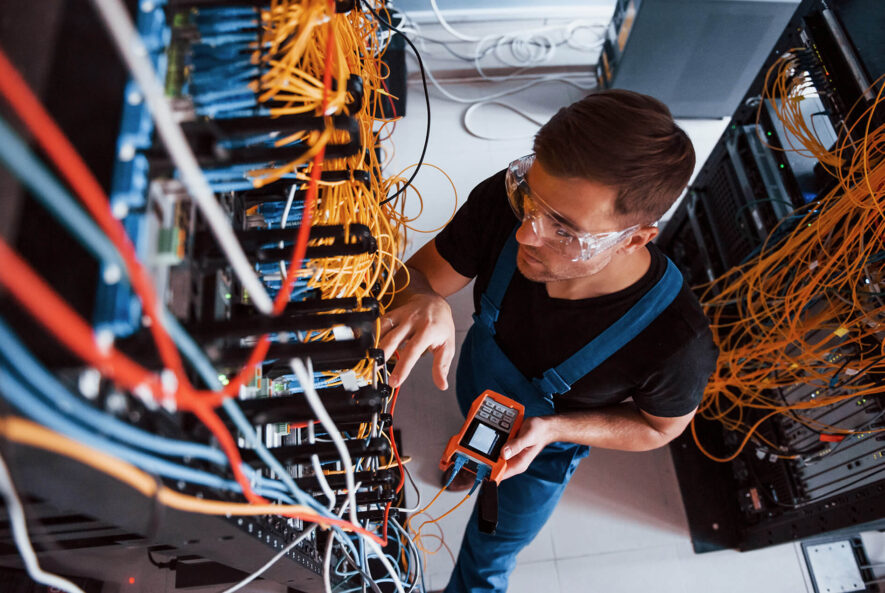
(534, 434)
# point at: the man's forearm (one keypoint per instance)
(619, 427)
(414, 282)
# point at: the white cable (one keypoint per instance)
(528, 48)
(327, 563)
(316, 404)
(470, 110)
(448, 27)
(282, 553)
(22, 541)
(500, 94)
(318, 469)
(134, 53)
(321, 478)
(419, 567)
(288, 207)
(273, 560)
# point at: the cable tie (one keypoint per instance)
(143, 392)
(111, 274)
(169, 382)
(89, 383)
(104, 339)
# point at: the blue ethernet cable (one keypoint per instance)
(233, 410)
(21, 161)
(16, 155)
(43, 382)
(209, 375)
(18, 158)
(17, 394)
(12, 350)
(419, 575)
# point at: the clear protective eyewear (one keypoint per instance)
(554, 229)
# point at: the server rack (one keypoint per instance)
(743, 201)
(82, 509)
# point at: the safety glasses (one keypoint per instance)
(554, 229)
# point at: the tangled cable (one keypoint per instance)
(808, 309)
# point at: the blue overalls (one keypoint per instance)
(526, 501)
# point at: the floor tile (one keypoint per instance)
(541, 549)
(535, 577)
(773, 570)
(652, 569)
(619, 501)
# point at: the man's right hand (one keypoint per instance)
(421, 319)
(421, 322)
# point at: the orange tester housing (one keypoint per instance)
(493, 418)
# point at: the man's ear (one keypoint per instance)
(640, 238)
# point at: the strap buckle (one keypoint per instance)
(488, 313)
(551, 382)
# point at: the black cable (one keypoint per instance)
(426, 98)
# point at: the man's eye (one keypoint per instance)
(562, 233)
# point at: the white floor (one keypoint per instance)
(621, 527)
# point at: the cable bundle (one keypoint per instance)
(269, 204)
(808, 309)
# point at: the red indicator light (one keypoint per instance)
(131, 580)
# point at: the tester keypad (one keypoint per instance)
(496, 414)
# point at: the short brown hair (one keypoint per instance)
(623, 139)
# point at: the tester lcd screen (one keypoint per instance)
(483, 439)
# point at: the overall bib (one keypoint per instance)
(526, 501)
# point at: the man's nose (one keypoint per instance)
(526, 234)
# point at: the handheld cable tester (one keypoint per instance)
(493, 418)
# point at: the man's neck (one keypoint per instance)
(621, 272)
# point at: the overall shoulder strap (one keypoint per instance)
(490, 302)
(561, 378)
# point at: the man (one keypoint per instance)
(576, 311)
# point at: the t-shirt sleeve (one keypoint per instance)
(466, 242)
(676, 386)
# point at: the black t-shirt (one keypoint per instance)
(664, 369)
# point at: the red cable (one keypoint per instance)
(44, 304)
(62, 321)
(59, 149)
(57, 317)
(73, 330)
